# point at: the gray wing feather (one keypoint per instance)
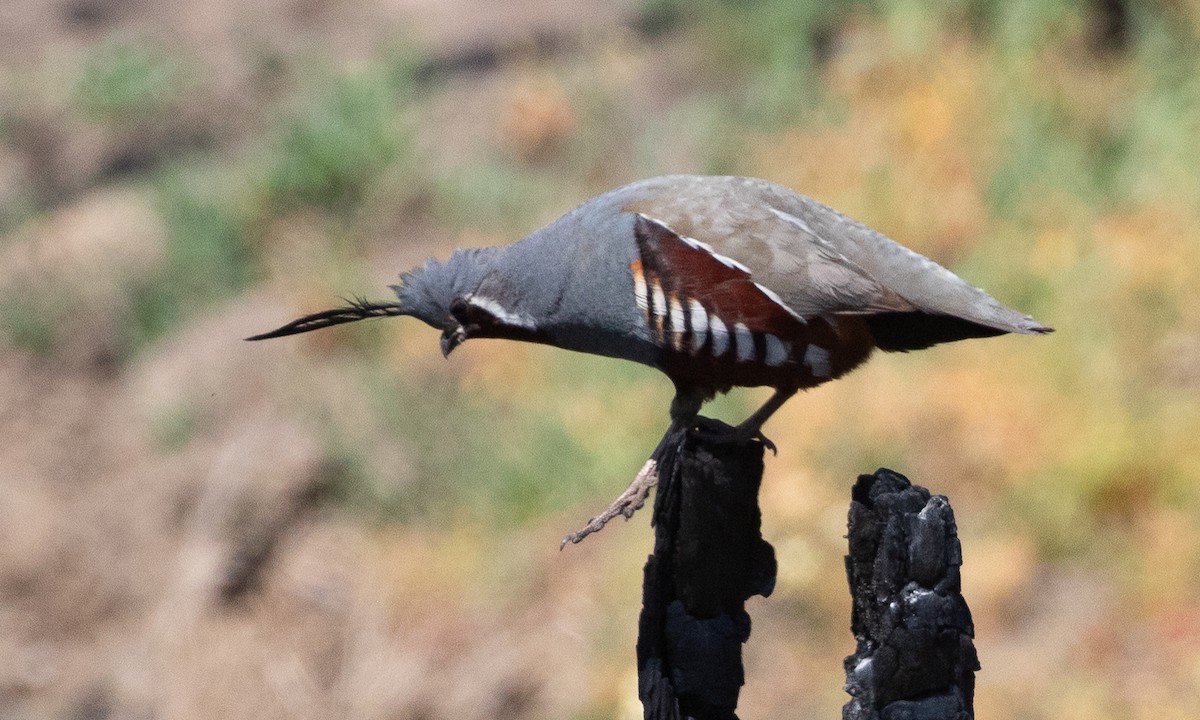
(921, 282)
(816, 259)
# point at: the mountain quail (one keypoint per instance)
(716, 281)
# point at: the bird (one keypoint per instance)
(717, 281)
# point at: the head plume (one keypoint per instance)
(357, 309)
(425, 293)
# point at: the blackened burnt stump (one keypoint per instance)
(915, 657)
(709, 558)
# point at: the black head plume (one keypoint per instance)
(358, 309)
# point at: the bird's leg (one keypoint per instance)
(751, 427)
(684, 408)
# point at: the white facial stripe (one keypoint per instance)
(501, 313)
(778, 301)
(699, 325)
(660, 300)
(744, 342)
(817, 360)
(639, 291)
(720, 336)
(777, 351)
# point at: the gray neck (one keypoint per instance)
(568, 284)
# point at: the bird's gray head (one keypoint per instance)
(440, 293)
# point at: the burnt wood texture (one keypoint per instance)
(709, 558)
(915, 658)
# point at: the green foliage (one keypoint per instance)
(209, 251)
(1047, 147)
(494, 192)
(1021, 27)
(126, 78)
(1141, 144)
(472, 459)
(660, 16)
(27, 322)
(1165, 109)
(776, 44)
(773, 50)
(346, 133)
(174, 428)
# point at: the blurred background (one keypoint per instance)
(344, 525)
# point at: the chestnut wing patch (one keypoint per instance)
(694, 273)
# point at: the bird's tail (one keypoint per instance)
(358, 309)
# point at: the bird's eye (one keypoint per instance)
(458, 308)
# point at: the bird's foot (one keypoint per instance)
(718, 432)
(626, 504)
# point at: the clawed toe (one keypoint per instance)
(766, 441)
(718, 432)
(626, 504)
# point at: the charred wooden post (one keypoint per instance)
(915, 657)
(709, 558)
